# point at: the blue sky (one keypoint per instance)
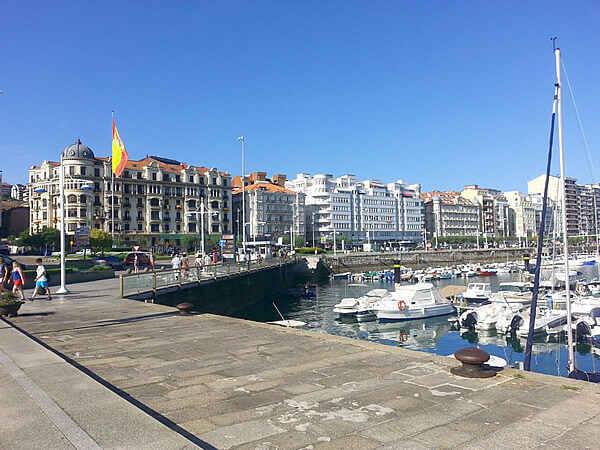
(438, 93)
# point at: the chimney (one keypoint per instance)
(258, 176)
(279, 180)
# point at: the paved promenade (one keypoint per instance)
(216, 382)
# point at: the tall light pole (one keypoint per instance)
(313, 239)
(241, 138)
(63, 289)
(202, 223)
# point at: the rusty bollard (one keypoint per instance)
(472, 360)
(185, 309)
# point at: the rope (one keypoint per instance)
(586, 147)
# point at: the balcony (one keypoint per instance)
(166, 219)
(126, 205)
(127, 218)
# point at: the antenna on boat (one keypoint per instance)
(553, 39)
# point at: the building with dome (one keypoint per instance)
(156, 200)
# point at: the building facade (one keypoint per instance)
(366, 211)
(523, 220)
(271, 210)
(156, 199)
(449, 214)
(493, 211)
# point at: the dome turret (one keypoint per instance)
(78, 151)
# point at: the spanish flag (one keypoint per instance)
(119, 154)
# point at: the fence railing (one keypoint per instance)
(145, 282)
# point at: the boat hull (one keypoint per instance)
(414, 313)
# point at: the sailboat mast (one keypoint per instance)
(564, 211)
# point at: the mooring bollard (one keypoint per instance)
(185, 309)
(472, 360)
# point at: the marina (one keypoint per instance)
(437, 335)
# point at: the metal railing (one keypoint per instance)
(145, 282)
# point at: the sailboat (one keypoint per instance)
(557, 107)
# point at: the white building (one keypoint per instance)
(366, 211)
(449, 214)
(19, 192)
(156, 200)
(522, 215)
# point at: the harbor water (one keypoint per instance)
(436, 335)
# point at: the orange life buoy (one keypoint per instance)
(401, 305)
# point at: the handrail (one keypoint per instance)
(153, 281)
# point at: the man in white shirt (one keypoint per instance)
(176, 261)
(41, 280)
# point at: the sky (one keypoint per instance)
(439, 93)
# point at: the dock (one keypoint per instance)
(92, 369)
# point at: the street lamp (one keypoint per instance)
(243, 140)
(313, 239)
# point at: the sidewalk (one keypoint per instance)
(48, 403)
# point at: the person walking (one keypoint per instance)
(136, 263)
(41, 280)
(152, 260)
(185, 265)
(18, 280)
(4, 275)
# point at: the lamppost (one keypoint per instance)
(61, 177)
(243, 140)
(313, 227)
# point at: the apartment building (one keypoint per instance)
(271, 209)
(367, 211)
(493, 209)
(157, 199)
(449, 214)
(523, 220)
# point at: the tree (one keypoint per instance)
(51, 237)
(212, 241)
(100, 239)
(31, 240)
(188, 240)
(299, 241)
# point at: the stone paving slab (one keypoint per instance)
(240, 384)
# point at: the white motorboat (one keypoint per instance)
(477, 292)
(519, 322)
(361, 308)
(484, 318)
(417, 301)
(512, 292)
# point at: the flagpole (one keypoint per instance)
(112, 186)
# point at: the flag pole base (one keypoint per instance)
(62, 290)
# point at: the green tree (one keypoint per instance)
(51, 237)
(212, 241)
(100, 239)
(299, 241)
(188, 240)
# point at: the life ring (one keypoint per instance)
(403, 337)
(401, 305)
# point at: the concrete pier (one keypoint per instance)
(216, 382)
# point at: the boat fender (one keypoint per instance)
(401, 305)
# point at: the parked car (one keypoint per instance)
(143, 259)
(110, 261)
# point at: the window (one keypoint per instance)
(154, 228)
(72, 213)
(178, 227)
(126, 174)
(139, 175)
(139, 227)
(214, 205)
(214, 181)
(192, 227)
(82, 198)
(165, 177)
(72, 199)
(167, 227)
(154, 215)
(45, 215)
(72, 170)
(139, 203)
(96, 172)
(224, 182)
(153, 202)
(192, 203)
(71, 226)
(178, 178)
(126, 227)
(191, 178)
(126, 189)
(200, 180)
(82, 213)
(215, 228)
(44, 202)
(154, 176)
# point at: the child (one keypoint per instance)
(41, 280)
(18, 280)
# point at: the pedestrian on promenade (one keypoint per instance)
(41, 280)
(136, 263)
(18, 280)
(176, 261)
(185, 265)
(198, 260)
(4, 275)
(152, 260)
